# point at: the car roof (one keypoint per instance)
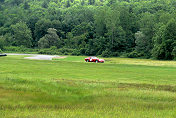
(93, 57)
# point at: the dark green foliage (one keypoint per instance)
(76, 52)
(50, 39)
(54, 51)
(14, 2)
(91, 2)
(136, 28)
(26, 5)
(45, 4)
(19, 49)
(174, 53)
(22, 35)
(106, 53)
(82, 2)
(2, 42)
(2, 0)
(43, 43)
(1, 51)
(165, 41)
(134, 54)
(68, 3)
(142, 45)
(41, 28)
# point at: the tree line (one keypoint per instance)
(130, 28)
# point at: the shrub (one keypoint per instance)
(82, 51)
(76, 52)
(174, 53)
(12, 48)
(19, 49)
(133, 54)
(66, 51)
(115, 54)
(2, 42)
(54, 48)
(49, 51)
(54, 51)
(106, 53)
(1, 51)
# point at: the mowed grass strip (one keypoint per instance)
(71, 87)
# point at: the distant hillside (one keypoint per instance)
(131, 28)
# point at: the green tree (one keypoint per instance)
(128, 21)
(112, 22)
(141, 44)
(100, 26)
(45, 4)
(41, 28)
(91, 2)
(174, 53)
(50, 39)
(115, 32)
(14, 2)
(69, 41)
(68, 3)
(43, 43)
(165, 41)
(22, 34)
(26, 5)
(147, 25)
(2, 42)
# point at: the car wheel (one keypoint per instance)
(87, 60)
(96, 61)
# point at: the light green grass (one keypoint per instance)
(70, 87)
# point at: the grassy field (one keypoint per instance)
(72, 88)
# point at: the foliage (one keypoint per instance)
(165, 41)
(50, 39)
(54, 51)
(106, 53)
(91, 27)
(174, 53)
(19, 49)
(134, 54)
(2, 42)
(1, 51)
(22, 35)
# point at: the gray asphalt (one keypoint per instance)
(36, 56)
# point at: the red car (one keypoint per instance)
(94, 59)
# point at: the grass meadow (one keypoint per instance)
(72, 88)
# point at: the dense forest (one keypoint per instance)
(129, 28)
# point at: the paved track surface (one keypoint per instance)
(36, 56)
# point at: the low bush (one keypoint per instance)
(54, 51)
(49, 51)
(133, 54)
(1, 51)
(19, 49)
(106, 53)
(66, 51)
(76, 52)
(174, 53)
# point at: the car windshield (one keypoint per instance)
(94, 57)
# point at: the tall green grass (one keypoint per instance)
(73, 88)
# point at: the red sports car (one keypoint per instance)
(94, 59)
